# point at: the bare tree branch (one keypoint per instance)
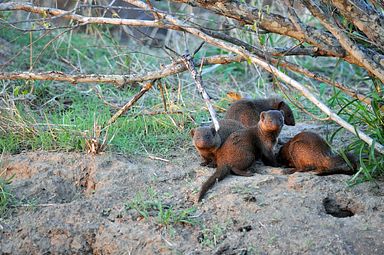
(188, 61)
(293, 67)
(12, 6)
(119, 80)
(288, 80)
(365, 17)
(273, 23)
(352, 48)
(131, 102)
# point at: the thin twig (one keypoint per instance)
(131, 102)
(188, 60)
(160, 86)
(155, 15)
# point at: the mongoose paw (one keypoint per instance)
(248, 174)
(212, 165)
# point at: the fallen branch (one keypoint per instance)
(119, 80)
(288, 80)
(171, 69)
(131, 102)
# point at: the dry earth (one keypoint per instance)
(73, 203)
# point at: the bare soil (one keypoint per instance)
(72, 203)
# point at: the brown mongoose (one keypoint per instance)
(247, 111)
(206, 140)
(308, 151)
(245, 146)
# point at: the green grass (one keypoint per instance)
(6, 197)
(151, 206)
(211, 237)
(59, 127)
(371, 120)
(60, 116)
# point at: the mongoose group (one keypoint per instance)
(249, 132)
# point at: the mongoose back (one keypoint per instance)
(206, 140)
(244, 146)
(247, 111)
(308, 151)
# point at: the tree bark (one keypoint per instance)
(365, 17)
(272, 23)
(352, 48)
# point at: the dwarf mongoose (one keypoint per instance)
(206, 140)
(247, 111)
(245, 146)
(307, 151)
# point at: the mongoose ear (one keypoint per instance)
(280, 105)
(192, 132)
(262, 116)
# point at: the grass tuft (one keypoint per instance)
(6, 196)
(371, 119)
(152, 206)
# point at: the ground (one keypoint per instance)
(73, 203)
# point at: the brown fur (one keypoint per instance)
(307, 151)
(247, 111)
(206, 140)
(245, 146)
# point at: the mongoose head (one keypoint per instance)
(271, 121)
(205, 137)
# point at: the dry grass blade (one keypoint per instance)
(96, 144)
(11, 121)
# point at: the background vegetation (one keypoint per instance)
(53, 115)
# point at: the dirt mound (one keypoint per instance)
(71, 203)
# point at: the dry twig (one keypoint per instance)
(131, 102)
(188, 60)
